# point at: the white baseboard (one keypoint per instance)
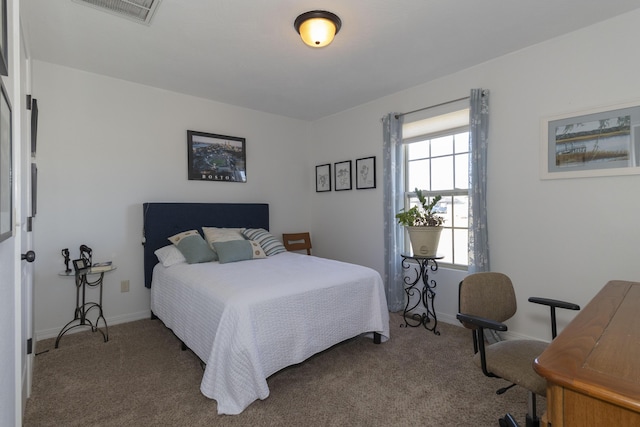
(115, 320)
(508, 335)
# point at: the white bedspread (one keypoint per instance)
(249, 319)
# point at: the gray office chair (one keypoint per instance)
(485, 301)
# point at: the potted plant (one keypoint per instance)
(423, 224)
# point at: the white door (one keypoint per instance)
(27, 222)
(15, 278)
(26, 286)
(25, 110)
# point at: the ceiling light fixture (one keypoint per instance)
(318, 27)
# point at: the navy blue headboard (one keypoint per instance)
(163, 220)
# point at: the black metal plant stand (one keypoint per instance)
(83, 307)
(421, 265)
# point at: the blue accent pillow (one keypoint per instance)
(238, 250)
(193, 247)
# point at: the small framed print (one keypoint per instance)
(342, 172)
(323, 178)
(366, 173)
(80, 264)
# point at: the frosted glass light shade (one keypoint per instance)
(317, 32)
(317, 28)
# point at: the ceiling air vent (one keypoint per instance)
(136, 10)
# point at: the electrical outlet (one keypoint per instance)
(124, 286)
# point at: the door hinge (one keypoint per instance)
(30, 346)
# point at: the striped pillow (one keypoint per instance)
(270, 244)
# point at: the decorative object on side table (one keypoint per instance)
(86, 254)
(99, 267)
(67, 259)
(423, 224)
(80, 264)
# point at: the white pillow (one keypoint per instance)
(216, 234)
(170, 255)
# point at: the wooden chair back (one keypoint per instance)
(297, 242)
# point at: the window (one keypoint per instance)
(438, 163)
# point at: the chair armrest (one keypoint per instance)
(555, 303)
(481, 322)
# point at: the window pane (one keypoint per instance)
(461, 211)
(418, 150)
(442, 173)
(462, 142)
(443, 208)
(442, 146)
(418, 175)
(461, 253)
(445, 245)
(462, 171)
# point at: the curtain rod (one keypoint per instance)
(432, 106)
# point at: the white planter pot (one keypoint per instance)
(424, 240)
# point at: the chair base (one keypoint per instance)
(509, 421)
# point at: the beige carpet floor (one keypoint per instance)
(140, 377)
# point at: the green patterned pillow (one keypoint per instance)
(270, 244)
(193, 247)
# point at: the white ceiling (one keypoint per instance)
(247, 53)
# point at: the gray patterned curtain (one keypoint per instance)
(393, 180)
(478, 140)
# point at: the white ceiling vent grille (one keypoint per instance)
(136, 10)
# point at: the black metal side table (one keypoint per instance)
(421, 265)
(83, 307)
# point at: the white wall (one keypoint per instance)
(105, 146)
(560, 238)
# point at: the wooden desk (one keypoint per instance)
(593, 367)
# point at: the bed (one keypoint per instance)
(249, 319)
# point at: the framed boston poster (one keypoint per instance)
(214, 157)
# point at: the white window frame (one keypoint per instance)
(410, 195)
